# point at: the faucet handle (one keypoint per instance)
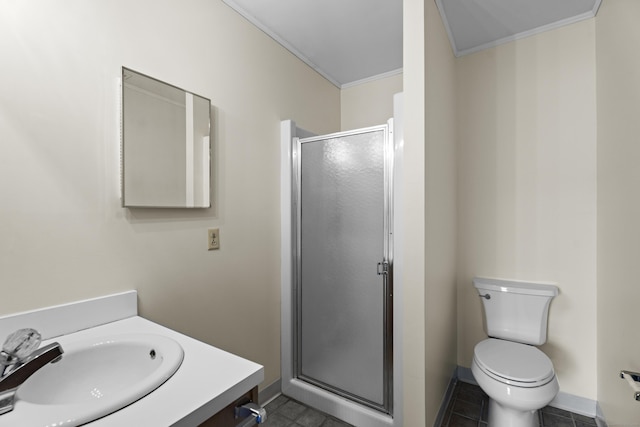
(21, 343)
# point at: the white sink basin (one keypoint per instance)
(97, 377)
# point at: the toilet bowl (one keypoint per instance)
(518, 377)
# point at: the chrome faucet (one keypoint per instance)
(19, 359)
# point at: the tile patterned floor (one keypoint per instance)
(469, 408)
(286, 412)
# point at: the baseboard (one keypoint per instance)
(447, 398)
(270, 392)
(568, 402)
(465, 375)
(600, 416)
(577, 404)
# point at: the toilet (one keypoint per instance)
(518, 378)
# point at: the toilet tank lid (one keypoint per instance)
(518, 287)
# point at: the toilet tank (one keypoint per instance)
(516, 311)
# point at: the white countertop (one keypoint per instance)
(207, 381)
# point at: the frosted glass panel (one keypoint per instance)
(341, 296)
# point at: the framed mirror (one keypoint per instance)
(166, 144)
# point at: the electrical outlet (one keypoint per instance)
(214, 238)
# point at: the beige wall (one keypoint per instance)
(65, 236)
(618, 85)
(527, 187)
(440, 212)
(369, 104)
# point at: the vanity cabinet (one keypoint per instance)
(226, 417)
(206, 379)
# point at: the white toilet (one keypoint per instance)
(518, 378)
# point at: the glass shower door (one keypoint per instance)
(343, 280)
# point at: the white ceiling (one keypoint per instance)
(481, 24)
(347, 41)
(353, 41)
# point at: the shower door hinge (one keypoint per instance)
(383, 268)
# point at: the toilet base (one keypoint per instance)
(502, 416)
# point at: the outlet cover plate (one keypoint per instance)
(213, 235)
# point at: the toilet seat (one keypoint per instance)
(512, 363)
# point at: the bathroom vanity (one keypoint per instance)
(204, 390)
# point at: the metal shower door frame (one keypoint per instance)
(385, 266)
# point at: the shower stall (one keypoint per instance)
(339, 270)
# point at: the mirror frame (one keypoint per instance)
(206, 151)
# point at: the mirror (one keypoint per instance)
(165, 144)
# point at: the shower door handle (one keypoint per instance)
(383, 268)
